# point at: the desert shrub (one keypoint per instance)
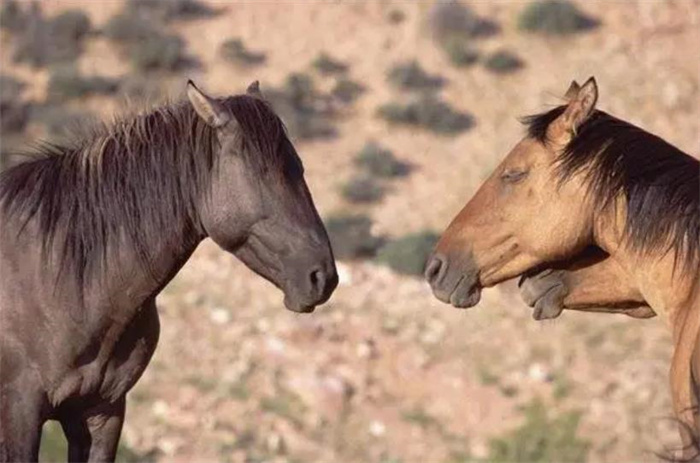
(380, 162)
(12, 149)
(351, 236)
(450, 19)
(327, 65)
(142, 87)
(428, 112)
(301, 90)
(396, 16)
(127, 28)
(503, 62)
(411, 76)
(56, 40)
(12, 18)
(407, 255)
(235, 51)
(67, 83)
(460, 54)
(10, 87)
(167, 10)
(71, 25)
(14, 114)
(306, 112)
(158, 52)
(541, 438)
(310, 127)
(555, 17)
(347, 90)
(142, 40)
(362, 189)
(59, 121)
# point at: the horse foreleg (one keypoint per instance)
(94, 436)
(591, 285)
(22, 414)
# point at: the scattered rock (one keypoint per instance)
(377, 428)
(539, 372)
(367, 349)
(220, 315)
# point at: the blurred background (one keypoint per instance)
(399, 111)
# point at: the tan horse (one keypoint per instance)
(583, 178)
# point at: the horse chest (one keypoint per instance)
(117, 367)
(131, 353)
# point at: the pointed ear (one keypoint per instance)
(573, 90)
(580, 107)
(206, 107)
(254, 89)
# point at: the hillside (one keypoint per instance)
(384, 372)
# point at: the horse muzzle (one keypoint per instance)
(454, 282)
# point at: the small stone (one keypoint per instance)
(377, 428)
(328, 394)
(367, 349)
(220, 316)
(275, 443)
(194, 298)
(160, 408)
(391, 325)
(434, 332)
(263, 325)
(276, 345)
(168, 446)
(539, 372)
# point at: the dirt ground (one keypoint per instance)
(384, 372)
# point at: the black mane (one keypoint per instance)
(660, 182)
(131, 181)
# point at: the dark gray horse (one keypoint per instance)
(92, 232)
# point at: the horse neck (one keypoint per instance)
(673, 291)
(130, 282)
(669, 286)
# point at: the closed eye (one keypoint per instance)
(513, 176)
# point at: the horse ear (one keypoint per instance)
(254, 89)
(573, 90)
(581, 106)
(206, 107)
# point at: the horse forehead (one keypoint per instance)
(525, 149)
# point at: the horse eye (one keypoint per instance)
(513, 176)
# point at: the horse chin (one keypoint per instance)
(298, 306)
(465, 296)
(546, 311)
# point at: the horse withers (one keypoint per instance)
(93, 230)
(582, 178)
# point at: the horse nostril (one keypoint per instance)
(433, 269)
(317, 278)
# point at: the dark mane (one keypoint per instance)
(660, 182)
(131, 180)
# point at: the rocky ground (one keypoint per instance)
(384, 372)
